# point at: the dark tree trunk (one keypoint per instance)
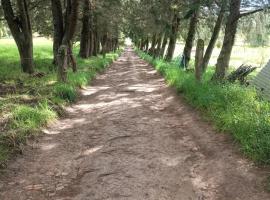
(26, 56)
(96, 43)
(228, 42)
(153, 44)
(85, 34)
(58, 26)
(91, 45)
(146, 45)
(173, 37)
(91, 26)
(104, 44)
(96, 46)
(164, 44)
(157, 50)
(190, 39)
(65, 55)
(199, 60)
(214, 37)
(21, 31)
(142, 44)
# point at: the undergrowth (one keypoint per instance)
(233, 108)
(36, 101)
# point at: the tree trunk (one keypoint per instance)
(157, 50)
(146, 44)
(228, 42)
(96, 43)
(164, 44)
(199, 60)
(21, 31)
(26, 56)
(173, 37)
(85, 34)
(58, 26)
(65, 55)
(62, 62)
(153, 44)
(190, 39)
(214, 37)
(104, 45)
(71, 58)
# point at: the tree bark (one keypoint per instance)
(214, 37)
(21, 30)
(157, 50)
(190, 39)
(58, 26)
(153, 44)
(104, 44)
(199, 60)
(85, 34)
(146, 44)
(64, 51)
(228, 42)
(164, 44)
(173, 37)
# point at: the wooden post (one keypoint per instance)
(199, 59)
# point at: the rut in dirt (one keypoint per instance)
(132, 138)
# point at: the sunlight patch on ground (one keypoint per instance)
(68, 124)
(92, 150)
(50, 132)
(47, 147)
(143, 88)
(93, 90)
(173, 161)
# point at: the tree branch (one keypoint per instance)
(253, 12)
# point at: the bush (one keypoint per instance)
(232, 107)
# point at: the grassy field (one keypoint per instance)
(27, 103)
(241, 54)
(233, 108)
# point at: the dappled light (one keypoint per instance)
(129, 131)
(134, 100)
(91, 151)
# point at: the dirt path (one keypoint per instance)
(132, 138)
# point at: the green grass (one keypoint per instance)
(241, 54)
(37, 101)
(233, 108)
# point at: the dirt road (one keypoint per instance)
(132, 138)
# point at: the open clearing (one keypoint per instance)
(131, 137)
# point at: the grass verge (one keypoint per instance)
(29, 103)
(233, 108)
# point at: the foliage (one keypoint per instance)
(37, 101)
(233, 108)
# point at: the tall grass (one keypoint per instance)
(233, 108)
(37, 100)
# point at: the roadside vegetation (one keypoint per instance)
(38, 78)
(30, 102)
(233, 108)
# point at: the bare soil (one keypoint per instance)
(132, 138)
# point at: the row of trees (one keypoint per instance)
(66, 18)
(160, 22)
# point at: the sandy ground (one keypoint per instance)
(132, 138)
